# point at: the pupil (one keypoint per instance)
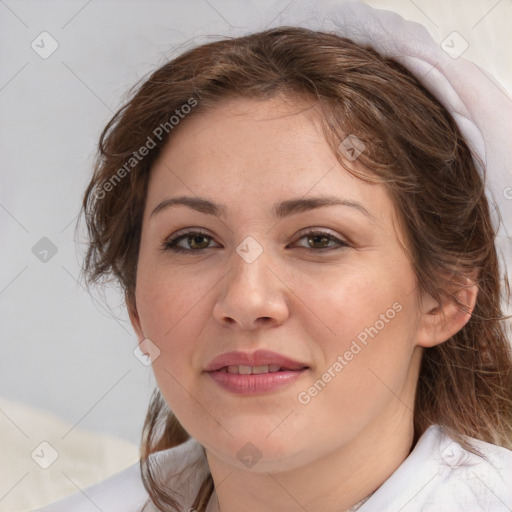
(196, 238)
(321, 237)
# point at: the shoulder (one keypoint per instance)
(124, 491)
(440, 475)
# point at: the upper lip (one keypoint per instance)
(257, 358)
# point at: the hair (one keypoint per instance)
(413, 146)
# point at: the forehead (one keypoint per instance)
(240, 128)
(250, 152)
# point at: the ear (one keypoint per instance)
(134, 318)
(440, 321)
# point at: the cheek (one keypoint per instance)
(165, 298)
(365, 338)
(171, 321)
(347, 303)
(371, 319)
(168, 318)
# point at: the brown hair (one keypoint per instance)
(413, 146)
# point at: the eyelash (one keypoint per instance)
(170, 244)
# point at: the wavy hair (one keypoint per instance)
(413, 147)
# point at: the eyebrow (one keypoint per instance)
(279, 210)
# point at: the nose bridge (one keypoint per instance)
(249, 267)
(249, 276)
(250, 290)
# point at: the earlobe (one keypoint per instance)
(440, 321)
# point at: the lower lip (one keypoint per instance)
(254, 383)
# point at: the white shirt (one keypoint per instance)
(437, 476)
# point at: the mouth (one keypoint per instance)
(254, 363)
(234, 380)
(257, 370)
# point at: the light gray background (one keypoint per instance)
(61, 349)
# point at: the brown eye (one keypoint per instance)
(320, 239)
(196, 241)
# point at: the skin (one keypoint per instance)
(295, 298)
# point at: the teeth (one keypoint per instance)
(260, 369)
(256, 370)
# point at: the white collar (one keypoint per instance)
(438, 475)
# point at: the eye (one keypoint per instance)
(196, 240)
(319, 239)
(199, 240)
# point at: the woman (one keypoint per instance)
(306, 247)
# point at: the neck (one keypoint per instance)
(334, 482)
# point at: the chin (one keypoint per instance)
(257, 451)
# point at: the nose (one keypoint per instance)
(251, 296)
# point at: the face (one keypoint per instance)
(328, 286)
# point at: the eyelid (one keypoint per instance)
(315, 231)
(325, 232)
(189, 231)
(319, 230)
(183, 233)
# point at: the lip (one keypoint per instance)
(255, 384)
(257, 358)
(243, 384)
